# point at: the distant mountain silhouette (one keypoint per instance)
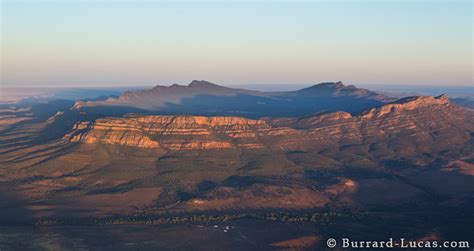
(205, 98)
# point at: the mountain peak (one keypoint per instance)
(407, 103)
(334, 85)
(339, 89)
(201, 83)
(337, 84)
(423, 100)
(442, 97)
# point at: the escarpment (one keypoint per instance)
(408, 104)
(172, 132)
(418, 124)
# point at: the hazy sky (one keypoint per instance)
(104, 43)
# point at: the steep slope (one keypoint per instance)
(204, 98)
(171, 132)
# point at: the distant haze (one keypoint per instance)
(124, 43)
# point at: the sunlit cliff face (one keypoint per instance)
(406, 116)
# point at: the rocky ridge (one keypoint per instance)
(201, 97)
(160, 95)
(420, 119)
(171, 132)
(408, 103)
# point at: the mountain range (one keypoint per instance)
(207, 149)
(208, 99)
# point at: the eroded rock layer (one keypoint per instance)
(416, 121)
(172, 132)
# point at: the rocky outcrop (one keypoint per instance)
(407, 104)
(311, 121)
(88, 132)
(172, 132)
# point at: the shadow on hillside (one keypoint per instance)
(257, 107)
(13, 209)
